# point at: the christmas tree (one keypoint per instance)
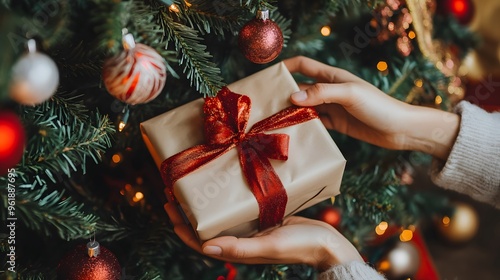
(79, 169)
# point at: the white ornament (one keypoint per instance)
(136, 75)
(35, 77)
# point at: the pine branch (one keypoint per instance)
(63, 137)
(202, 73)
(107, 20)
(369, 195)
(49, 212)
(218, 16)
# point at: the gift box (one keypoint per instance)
(217, 197)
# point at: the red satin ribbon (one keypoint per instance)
(226, 118)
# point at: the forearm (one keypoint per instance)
(431, 131)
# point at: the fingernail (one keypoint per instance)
(212, 250)
(299, 96)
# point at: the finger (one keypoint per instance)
(321, 72)
(174, 214)
(303, 86)
(186, 234)
(238, 248)
(324, 93)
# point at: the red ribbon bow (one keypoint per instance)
(226, 118)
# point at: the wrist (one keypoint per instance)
(432, 131)
(338, 254)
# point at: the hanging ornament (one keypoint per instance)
(401, 261)
(331, 215)
(261, 40)
(91, 262)
(35, 77)
(11, 141)
(137, 74)
(461, 226)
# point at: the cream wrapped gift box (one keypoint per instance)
(216, 197)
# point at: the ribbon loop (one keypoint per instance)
(226, 118)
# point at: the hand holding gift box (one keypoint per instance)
(229, 192)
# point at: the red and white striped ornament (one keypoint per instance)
(136, 75)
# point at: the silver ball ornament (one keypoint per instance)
(401, 261)
(35, 78)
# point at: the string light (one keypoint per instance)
(174, 8)
(419, 83)
(121, 126)
(406, 235)
(438, 100)
(138, 197)
(382, 66)
(412, 35)
(381, 228)
(116, 158)
(326, 30)
(123, 118)
(446, 221)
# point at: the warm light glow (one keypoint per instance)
(412, 228)
(174, 8)
(438, 100)
(9, 138)
(384, 265)
(381, 228)
(382, 66)
(419, 83)
(139, 180)
(459, 6)
(188, 4)
(121, 126)
(326, 30)
(383, 225)
(379, 231)
(412, 35)
(446, 221)
(390, 26)
(128, 187)
(138, 196)
(116, 158)
(122, 192)
(406, 235)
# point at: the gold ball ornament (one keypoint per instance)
(35, 77)
(461, 226)
(402, 261)
(260, 40)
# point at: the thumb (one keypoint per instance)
(323, 93)
(235, 248)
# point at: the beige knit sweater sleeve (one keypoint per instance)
(473, 168)
(352, 271)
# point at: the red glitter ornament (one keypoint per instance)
(261, 40)
(12, 140)
(91, 262)
(331, 216)
(136, 75)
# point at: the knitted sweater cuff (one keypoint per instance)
(473, 165)
(355, 270)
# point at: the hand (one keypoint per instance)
(297, 240)
(352, 106)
